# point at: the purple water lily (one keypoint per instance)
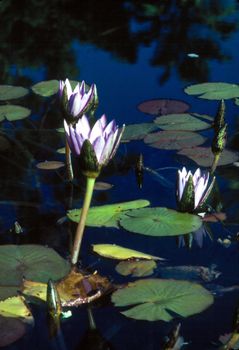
(200, 183)
(78, 101)
(104, 138)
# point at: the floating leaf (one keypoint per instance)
(237, 101)
(186, 121)
(203, 156)
(49, 88)
(174, 139)
(16, 307)
(114, 251)
(102, 186)
(13, 112)
(214, 91)
(158, 299)
(12, 329)
(31, 261)
(136, 268)
(106, 215)
(163, 106)
(9, 92)
(61, 150)
(160, 222)
(138, 131)
(50, 165)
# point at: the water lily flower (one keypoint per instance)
(191, 189)
(78, 101)
(95, 145)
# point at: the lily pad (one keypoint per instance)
(158, 299)
(214, 91)
(106, 215)
(138, 131)
(49, 88)
(30, 261)
(163, 106)
(185, 121)
(204, 157)
(50, 165)
(13, 112)
(114, 251)
(160, 222)
(12, 329)
(237, 101)
(16, 307)
(174, 139)
(136, 268)
(9, 92)
(102, 186)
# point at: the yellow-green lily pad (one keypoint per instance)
(136, 267)
(214, 91)
(13, 112)
(184, 121)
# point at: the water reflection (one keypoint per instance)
(185, 34)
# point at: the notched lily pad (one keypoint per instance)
(160, 222)
(136, 267)
(137, 131)
(50, 165)
(163, 106)
(13, 112)
(174, 139)
(203, 156)
(184, 121)
(9, 92)
(158, 299)
(114, 251)
(214, 91)
(106, 215)
(49, 88)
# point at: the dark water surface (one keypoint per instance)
(134, 51)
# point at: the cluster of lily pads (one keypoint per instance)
(52, 279)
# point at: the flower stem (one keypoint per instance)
(70, 175)
(90, 182)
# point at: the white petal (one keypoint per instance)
(68, 88)
(96, 131)
(98, 145)
(84, 126)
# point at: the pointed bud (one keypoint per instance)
(89, 164)
(219, 140)
(219, 121)
(186, 203)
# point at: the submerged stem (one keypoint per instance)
(69, 170)
(90, 182)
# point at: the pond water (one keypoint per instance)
(134, 52)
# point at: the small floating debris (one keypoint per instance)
(192, 55)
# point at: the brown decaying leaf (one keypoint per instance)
(163, 106)
(102, 186)
(214, 217)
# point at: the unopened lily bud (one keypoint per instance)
(219, 121)
(219, 140)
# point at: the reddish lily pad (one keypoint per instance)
(12, 329)
(136, 268)
(163, 106)
(50, 165)
(174, 139)
(203, 156)
(184, 121)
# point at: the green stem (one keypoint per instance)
(215, 162)
(90, 182)
(69, 170)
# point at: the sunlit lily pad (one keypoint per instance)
(114, 251)
(9, 92)
(50, 165)
(185, 121)
(49, 88)
(30, 261)
(14, 318)
(106, 215)
(75, 289)
(214, 91)
(237, 101)
(13, 112)
(138, 131)
(174, 139)
(158, 299)
(160, 222)
(136, 268)
(203, 156)
(163, 106)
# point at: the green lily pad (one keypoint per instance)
(50, 165)
(13, 112)
(137, 131)
(160, 222)
(237, 101)
(114, 251)
(49, 88)
(31, 261)
(106, 215)
(9, 92)
(136, 268)
(158, 299)
(214, 91)
(203, 156)
(174, 139)
(184, 121)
